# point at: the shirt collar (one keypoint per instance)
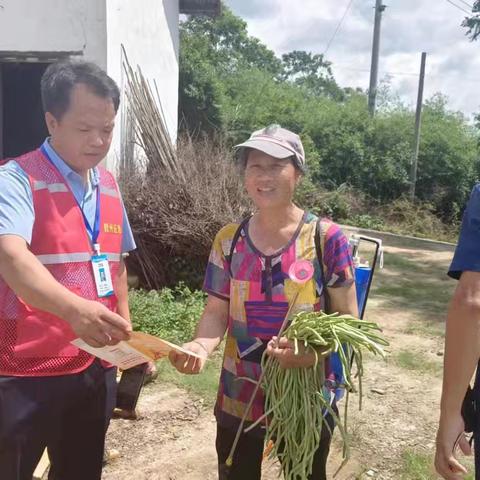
(65, 170)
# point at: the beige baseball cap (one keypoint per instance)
(275, 141)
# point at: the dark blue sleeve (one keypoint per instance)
(467, 254)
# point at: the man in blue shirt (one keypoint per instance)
(462, 345)
(67, 412)
(16, 201)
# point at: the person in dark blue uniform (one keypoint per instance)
(462, 347)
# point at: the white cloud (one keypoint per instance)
(408, 28)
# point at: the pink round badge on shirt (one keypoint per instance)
(300, 271)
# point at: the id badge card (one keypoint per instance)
(103, 278)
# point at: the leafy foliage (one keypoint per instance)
(473, 23)
(233, 84)
(171, 314)
(212, 50)
(312, 72)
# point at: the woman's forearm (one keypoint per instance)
(213, 324)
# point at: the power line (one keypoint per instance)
(467, 4)
(458, 6)
(403, 74)
(410, 74)
(329, 44)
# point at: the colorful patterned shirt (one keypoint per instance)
(259, 290)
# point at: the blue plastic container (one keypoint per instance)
(362, 277)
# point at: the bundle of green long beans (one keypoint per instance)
(297, 400)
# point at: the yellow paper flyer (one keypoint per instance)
(140, 348)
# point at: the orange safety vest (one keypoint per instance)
(34, 342)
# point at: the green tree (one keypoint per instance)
(231, 82)
(228, 46)
(211, 50)
(448, 160)
(374, 154)
(477, 121)
(473, 23)
(255, 99)
(200, 90)
(312, 72)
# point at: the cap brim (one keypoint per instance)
(272, 149)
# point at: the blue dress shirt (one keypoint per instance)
(467, 254)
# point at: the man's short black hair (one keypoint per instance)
(60, 78)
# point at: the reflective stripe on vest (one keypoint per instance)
(59, 258)
(111, 192)
(62, 187)
(51, 187)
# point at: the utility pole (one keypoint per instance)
(418, 124)
(372, 90)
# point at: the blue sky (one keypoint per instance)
(408, 28)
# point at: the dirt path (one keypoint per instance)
(175, 438)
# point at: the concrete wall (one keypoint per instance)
(401, 241)
(54, 26)
(149, 32)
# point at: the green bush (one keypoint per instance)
(171, 314)
(350, 206)
(367, 221)
(418, 219)
(340, 204)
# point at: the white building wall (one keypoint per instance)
(54, 26)
(149, 31)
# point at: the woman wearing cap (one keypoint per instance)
(249, 293)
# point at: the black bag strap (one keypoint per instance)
(318, 250)
(235, 238)
(470, 407)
